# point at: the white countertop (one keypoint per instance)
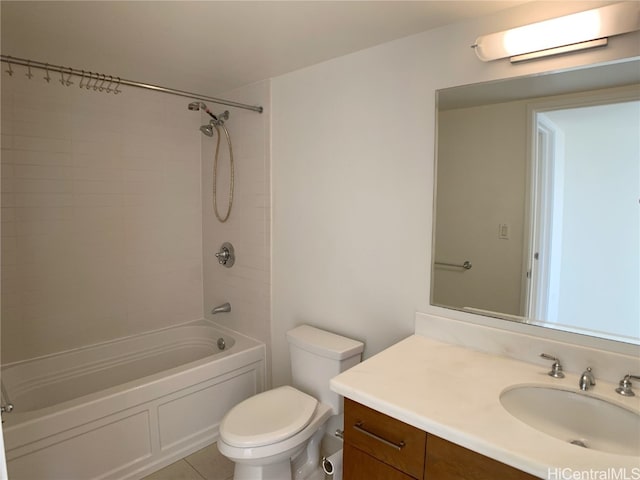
(453, 392)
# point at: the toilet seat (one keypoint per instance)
(268, 418)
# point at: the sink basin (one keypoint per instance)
(575, 417)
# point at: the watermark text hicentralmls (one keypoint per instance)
(613, 473)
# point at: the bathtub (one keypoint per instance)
(125, 408)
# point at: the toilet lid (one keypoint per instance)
(268, 417)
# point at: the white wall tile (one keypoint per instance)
(246, 285)
(102, 232)
(41, 144)
(33, 158)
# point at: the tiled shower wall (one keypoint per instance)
(246, 285)
(101, 215)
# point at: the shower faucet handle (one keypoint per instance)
(223, 255)
(226, 256)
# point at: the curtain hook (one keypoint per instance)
(46, 69)
(9, 70)
(61, 77)
(108, 89)
(81, 78)
(95, 85)
(88, 85)
(104, 79)
(115, 90)
(68, 81)
(29, 74)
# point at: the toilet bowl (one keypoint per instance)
(276, 435)
(266, 433)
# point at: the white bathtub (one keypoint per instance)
(123, 409)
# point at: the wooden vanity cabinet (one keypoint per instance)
(376, 437)
(358, 465)
(448, 461)
(379, 447)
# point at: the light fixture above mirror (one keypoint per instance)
(579, 31)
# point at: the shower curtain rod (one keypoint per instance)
(109, 80)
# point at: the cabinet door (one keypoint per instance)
(360, 466)
(391, 441)
(448, 461)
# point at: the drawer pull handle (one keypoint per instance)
(360, 427)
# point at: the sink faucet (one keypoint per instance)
(587, 380)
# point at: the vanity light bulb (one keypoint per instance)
(571, 32)
(558, 31)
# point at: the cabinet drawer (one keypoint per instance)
(393, 442)
(360, 466)
(448, 461)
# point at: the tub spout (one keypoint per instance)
(224, 308)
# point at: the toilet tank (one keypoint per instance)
(316, 357)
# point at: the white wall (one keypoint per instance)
(600, 210)
(348, 198)
(352, 156)
(101, 212)
(481, 183)
(247, 284)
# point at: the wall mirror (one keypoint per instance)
(537, 206)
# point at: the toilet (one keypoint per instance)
(276, 435)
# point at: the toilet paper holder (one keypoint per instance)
(332, 465)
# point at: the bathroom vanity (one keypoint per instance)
(429, 409)
(379, 447)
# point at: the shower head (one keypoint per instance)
(207, 129)
(195, 106)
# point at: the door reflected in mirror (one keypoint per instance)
(538, 189)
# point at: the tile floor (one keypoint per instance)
(205, 464)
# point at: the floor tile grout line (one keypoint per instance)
(194, 469)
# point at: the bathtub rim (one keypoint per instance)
(245, 350)
(204, 322)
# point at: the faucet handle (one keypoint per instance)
(556, 368)
(226, 256)
(625, 385)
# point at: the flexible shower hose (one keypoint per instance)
(215, 175)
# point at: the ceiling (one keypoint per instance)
(211, 47)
